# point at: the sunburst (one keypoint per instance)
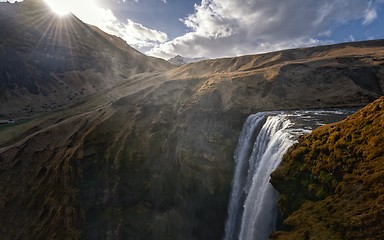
(55, 38)
(87, 11)
(61, 7)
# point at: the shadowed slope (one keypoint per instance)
(151, 157)
(55, 61)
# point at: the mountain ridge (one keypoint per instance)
(61, 60)
(180, 60)
(150, 153)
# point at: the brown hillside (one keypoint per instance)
(148, 152)
(153, 156)
(47, 61)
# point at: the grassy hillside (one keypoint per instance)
(149, 153)
(332, 182)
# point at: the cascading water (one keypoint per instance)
(252, 210)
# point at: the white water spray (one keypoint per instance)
(252, 210)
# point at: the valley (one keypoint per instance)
(146, 152)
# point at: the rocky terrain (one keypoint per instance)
(56, 61)
(147, 152)
(332, 182)
(180, 60)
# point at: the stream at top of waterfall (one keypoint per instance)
(266, 136)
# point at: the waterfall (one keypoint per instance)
(272, 142)
(242, 154)
(252, 209)
(256, 157)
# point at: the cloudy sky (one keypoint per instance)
(222, 28)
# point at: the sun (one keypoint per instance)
(87, 11)
(61, 7)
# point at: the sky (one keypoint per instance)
(227, 28)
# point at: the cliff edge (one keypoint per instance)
(332, 181)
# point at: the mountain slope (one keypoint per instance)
(337, 75)
(151, 156)
(55, 61)
(331, 182)
(179, 60)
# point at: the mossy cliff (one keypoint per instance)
(331, 183)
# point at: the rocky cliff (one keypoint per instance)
(180, 60)
(152, 158)
(331, 183)
(150, 155)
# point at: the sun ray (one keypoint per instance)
(54, 37)
(60, 7)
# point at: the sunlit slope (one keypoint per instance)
(339, 53)
(49, 61)
(343, 74)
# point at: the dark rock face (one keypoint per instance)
(14, 72)
(331, 182)
(150, 155)
(166, 174)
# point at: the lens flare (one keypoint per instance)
(60, 7)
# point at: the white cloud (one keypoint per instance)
(135, 34)
(370, 16)
(227, 27)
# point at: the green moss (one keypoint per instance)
(332, 182)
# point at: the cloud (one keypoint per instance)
(226, 28)
(135, 34)
(220, 28)
(370, 16)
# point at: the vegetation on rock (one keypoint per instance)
(331, 183)
(144, 150)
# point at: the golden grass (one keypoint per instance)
(332, 181)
